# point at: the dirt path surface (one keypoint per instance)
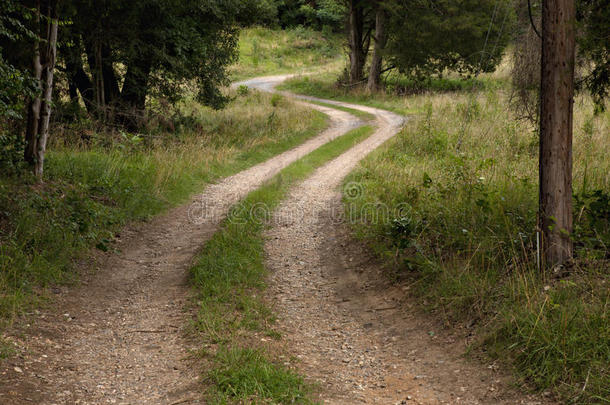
(354, 333)
(118, 337)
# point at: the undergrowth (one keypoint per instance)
(229, 278)
(95, 183)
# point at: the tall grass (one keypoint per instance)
(264, 51)
(93, 188)
(466, 173)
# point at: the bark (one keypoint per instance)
(79, 79)
(43, 67)
(33, 121)
(49, 57)
(557, 98)
(357, 55)
(380, 38)
(135, 88)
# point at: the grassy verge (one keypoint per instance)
(95, 186)
(233, 320)
(264, 51)
(465, 172)
(325, 85)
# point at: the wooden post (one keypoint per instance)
(557, 98)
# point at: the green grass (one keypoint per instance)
(465, 172)
(325, 85)
(93, 189)
(363, 115)
(229, 275)
(248, 375)
(263, 51)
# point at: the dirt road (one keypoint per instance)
(356, 334)
(118, 337)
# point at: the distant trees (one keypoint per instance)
(422, 38)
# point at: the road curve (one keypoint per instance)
(116, 338)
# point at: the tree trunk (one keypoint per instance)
(377, 58)
(99, 58)
(557, 98)
(48, 62)
(135, 88)
(43, 66)
(79, 79)
(356, 34)
(33, 122)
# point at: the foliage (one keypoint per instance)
(162, 44)
(315, 14)
(428, 38)
(594, 47)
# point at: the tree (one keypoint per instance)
(160, 45)
(593, 22)
(359, 38)
(427, 38)
(556, 105)
(43, 68)
(380, 39)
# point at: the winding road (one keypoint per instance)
(118, 336)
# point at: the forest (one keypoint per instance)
(304, 201)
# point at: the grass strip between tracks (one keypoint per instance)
(233, 322)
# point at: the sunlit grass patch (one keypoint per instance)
(263, 51)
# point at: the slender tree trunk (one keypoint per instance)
(43, 67)
(49, 57)
(33, 122)
(557, 93)
(374, 81)
(356, 35)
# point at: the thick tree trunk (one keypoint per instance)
(43, 67)
(357, 56)
(79, 80)
(135, 88)
(374, 81)
(557, 93)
